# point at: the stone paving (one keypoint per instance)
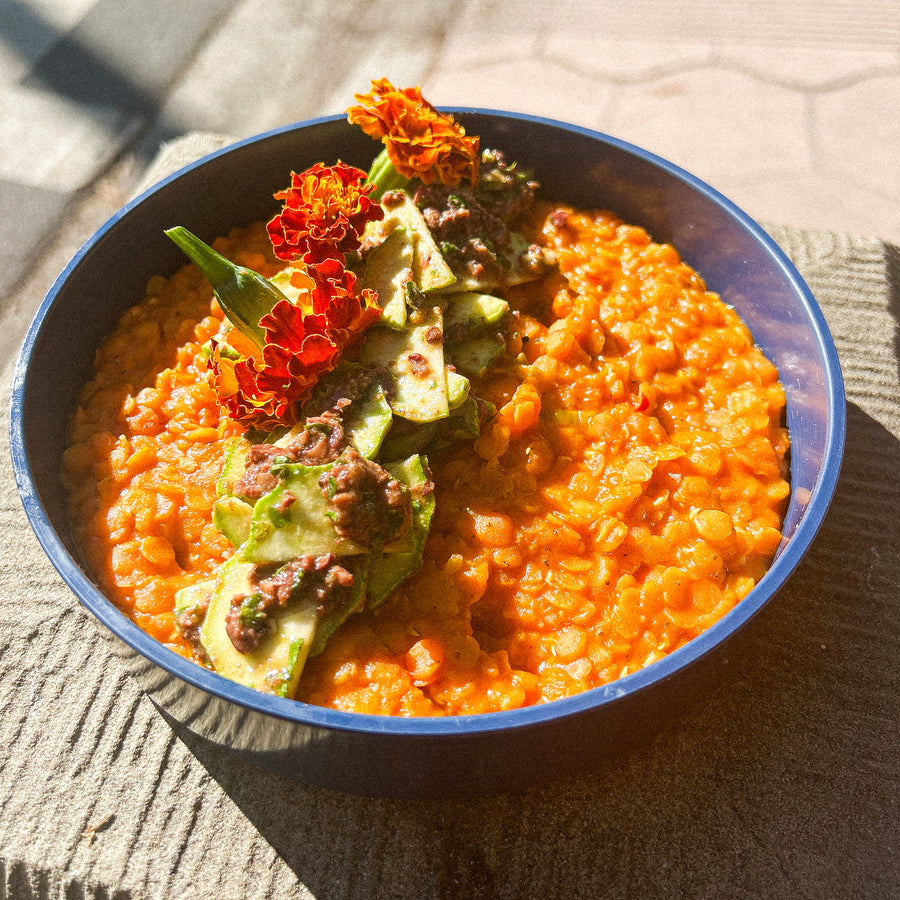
(790, 109)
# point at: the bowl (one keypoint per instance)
(423, 757)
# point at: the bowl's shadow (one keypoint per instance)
(795, 742)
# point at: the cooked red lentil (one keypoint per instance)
(627, 495)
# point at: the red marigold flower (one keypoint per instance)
(330, 280)
(235, 384)
(342, 323)
(420, 141)
(326, 209)
(348, 317)
(304, 340)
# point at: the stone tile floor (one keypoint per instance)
(790, 109)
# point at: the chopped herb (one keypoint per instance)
(250, 615)
(278, 517)
(415, 297)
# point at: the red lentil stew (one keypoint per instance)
(604, 478)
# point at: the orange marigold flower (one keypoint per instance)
(326, 209)
(420, 141)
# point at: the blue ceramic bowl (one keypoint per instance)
(466, 754)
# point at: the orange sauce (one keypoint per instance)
(628, 493)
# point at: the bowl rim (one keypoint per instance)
(293, 711)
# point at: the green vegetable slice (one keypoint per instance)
(474, 357)
(430, 269)
(463, 423)
(407, 438)
(233, 467)
(388, 570)
(275, 666)
(294, 519)
(194, 596)
(457, 389)
(334, 618)
(367, 421)
(389, 266)
(233, 517)
(415, 362)
(522, 261)
(470, 309)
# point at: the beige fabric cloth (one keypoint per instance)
(782, 782)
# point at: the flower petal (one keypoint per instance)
(326, 209)
(420, 141)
